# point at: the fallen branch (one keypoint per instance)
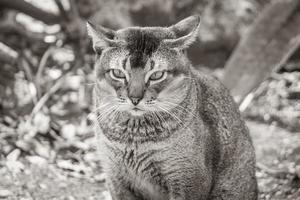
(31, 10)
(274, 172)
(7, 54)
(9, 26)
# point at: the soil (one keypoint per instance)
(278, 154)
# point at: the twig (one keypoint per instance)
(62, 10)
(273, 172)
(41, 68)
(253, 95)
(43, 100)
(7, 54)
(29, 76)
(27, 70)
(294, 46)
(29, 59)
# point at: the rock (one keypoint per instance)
(14, 155)
(65, 164)
(23, 145)
(15, 166)
(68, 131)
(106, 195)
(37, 160)
(70, 198)
(5, 193)
(43, 186)
(42, 122)
(100, 178)
(73, 82)
(41, 149)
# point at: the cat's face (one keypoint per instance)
(142, 70)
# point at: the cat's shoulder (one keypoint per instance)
(209, 83)
(215, 98)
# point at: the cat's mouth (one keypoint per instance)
(136, 111)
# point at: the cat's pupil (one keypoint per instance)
(156, 75)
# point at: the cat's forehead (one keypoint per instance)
(132, 33)
(145, 39)
(141, 43)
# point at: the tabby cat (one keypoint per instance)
(165, 130)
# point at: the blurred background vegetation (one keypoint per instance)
(46, 78)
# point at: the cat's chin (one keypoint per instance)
(136, 112)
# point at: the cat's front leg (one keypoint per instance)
(187, 195)
(189, 186)
(119, 190)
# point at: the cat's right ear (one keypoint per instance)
(186, 32)
(101, 37)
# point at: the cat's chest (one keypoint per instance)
(146, 187)
(143, 168)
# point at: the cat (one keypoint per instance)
(165, 130)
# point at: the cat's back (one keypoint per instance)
(233, 150)
(217, 106)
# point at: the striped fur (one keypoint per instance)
(192, 146)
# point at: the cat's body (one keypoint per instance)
(197, 148)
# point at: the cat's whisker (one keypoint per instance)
(105, 116)
(171, 107)
(177, 106)
(176, 96)
(115, 115)
(94, 121)
(165, 121)
(160, 119)
(105, 113)
(101, 116)
(106, 104)
(100, 107)
(179, 121)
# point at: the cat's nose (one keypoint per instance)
(135, 100)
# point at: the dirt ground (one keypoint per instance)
(277, 149)
(277, 154)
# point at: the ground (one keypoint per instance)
(277, 151)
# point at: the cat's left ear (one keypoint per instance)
(186, 32)
(101, 37)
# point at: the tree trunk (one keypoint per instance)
(268, 43)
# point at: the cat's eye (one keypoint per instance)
(157, 75)
(117, 74)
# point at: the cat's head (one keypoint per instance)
(143, 69)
